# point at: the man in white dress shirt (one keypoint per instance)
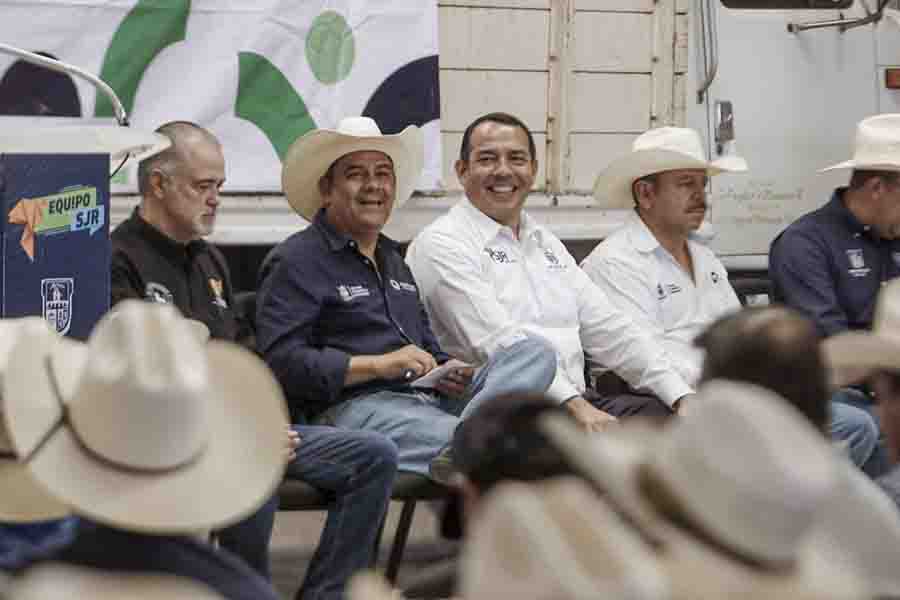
(670, 285)
(489, 274)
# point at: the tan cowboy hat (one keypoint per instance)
(749, 475)
(854, 355)
(877, 145)
(24, 499)
(59, 581)
(198, 328)
(553, 540)
(656, 151)
(118, 142)
(860, 530)
(160, 433)
(313, 153)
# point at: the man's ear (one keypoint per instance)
(462, 169)
(157, 183)
(325, 189)
(642, 194)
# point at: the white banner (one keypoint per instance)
(258, 73)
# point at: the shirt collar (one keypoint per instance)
(490, 229)
(642, 238)
(338, 241)
(166, 246)
(840, 209)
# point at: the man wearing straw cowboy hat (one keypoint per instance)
(672, 286)
(339, 317)
(831, 263)
(651, 269)
(159, 255)
(490, 273)
(156, 437)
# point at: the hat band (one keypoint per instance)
(65, 419)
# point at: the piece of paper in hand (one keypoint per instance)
(431, 378)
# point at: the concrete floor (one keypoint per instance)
(296, 535)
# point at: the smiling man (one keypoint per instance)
(339, 317)
(490, 274)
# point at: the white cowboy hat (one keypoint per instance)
(118, 142)
(160, 433)
(60, 581)
(24, 499)
(860, 530)
(311, 155)
(854, 355)
(747, 470)
(656, 151)
(554, 540)
(877, 145)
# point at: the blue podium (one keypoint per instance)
(55, 239)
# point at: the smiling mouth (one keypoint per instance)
(502, 189)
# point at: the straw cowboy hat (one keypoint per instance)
(656, 151)
(729, 494)
(313, 153)
(853, 355)
(118, 142)
(24, 499)
(877, 145)
(554, 540)
(57, 581)
(160, 433)
(860, 530)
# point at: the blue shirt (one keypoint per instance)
(321, 301)
(830, 266)
(24, 543)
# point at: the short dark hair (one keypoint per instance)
(465, 148)
(859, 177)
(772, 346)
(177, 132)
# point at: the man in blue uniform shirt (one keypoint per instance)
(831, 263)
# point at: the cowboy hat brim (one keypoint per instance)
(31, 500)
(241, 465)
(611, 462)
(313, 153)
(854, 355)
(887, 165)
(612, 188)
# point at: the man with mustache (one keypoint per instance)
(489, 273)
(652, 269)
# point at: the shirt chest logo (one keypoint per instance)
(402, 285)
(499, 256)
(157, 292)
(857, 260)
(349, 293)
(663, 291)
(553, 263)
(216, 287)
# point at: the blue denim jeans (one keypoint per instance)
(358, 468)
(421, 422)
(855, 421)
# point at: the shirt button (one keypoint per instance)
(352, 244)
